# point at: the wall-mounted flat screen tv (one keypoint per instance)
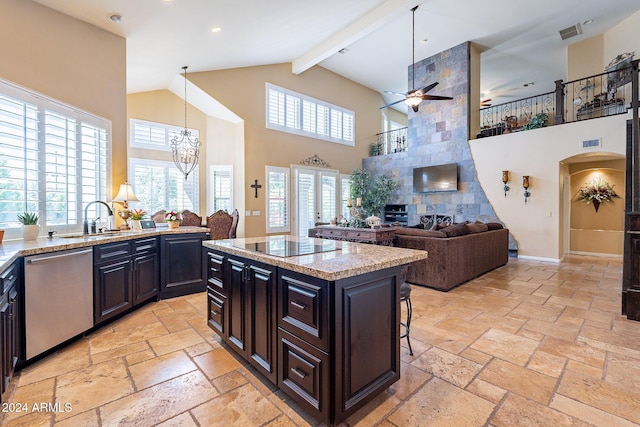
(435, 178)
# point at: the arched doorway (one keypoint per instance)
(588, 230)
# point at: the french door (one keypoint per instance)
(316, 194)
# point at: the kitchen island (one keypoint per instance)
(319, 318)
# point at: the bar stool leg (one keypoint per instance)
(407, 325)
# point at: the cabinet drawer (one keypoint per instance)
(215, 275)
(8, 277)
(305, 308)
(304, 374)
(215, 309)
(145, 245)
(111, 251)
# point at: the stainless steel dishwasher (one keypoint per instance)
(58, 298)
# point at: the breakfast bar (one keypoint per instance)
(319, 318)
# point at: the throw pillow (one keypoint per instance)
(494, 226)
(477, 228)
(456, 230)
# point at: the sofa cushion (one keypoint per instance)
(456, 230)
(420, 233)
(477, 228)
(494, 226)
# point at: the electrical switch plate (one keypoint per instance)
(247, 213)
(256, 213)
(549, 214)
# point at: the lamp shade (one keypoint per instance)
(125, 194)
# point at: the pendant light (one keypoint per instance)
(185, 149)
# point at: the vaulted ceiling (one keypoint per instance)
(367, 41)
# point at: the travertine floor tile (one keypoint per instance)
(518, 346)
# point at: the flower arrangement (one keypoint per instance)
(137, 214)
(596, 192)
(173, 216)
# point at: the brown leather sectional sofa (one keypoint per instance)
(456, 256)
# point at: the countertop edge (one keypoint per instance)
(13, 249)
(305, 263)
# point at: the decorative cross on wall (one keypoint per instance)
(255, 186)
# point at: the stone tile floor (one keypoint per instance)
(529, 344)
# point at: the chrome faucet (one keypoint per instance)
(85, 224)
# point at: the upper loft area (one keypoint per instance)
(601, 95)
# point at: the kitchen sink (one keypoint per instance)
(87, 236)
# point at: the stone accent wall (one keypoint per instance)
(438, 134)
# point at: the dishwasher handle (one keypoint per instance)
(53, 257)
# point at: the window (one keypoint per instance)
(156, 136)
(160, 185)
(292, 112)
(54, 161)
(345, 194)
(277, 199)
(221, 190)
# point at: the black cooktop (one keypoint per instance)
(285, 248)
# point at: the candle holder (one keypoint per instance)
(525, 185)
(505, 179)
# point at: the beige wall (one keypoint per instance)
(242, 90)
(585, 58)
(622, 38)
(538, 226)
(68, 60)
(602, 231)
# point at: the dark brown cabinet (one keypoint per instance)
(332, 346)
(242, 306)
(125, 274)
(183, 264)
(10, 326)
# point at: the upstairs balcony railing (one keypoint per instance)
(590, 97)
(393, 141)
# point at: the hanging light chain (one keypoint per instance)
(184, 149)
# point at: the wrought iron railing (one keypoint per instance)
(591, 97)
(393, 141)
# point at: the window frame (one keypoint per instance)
(287, 198)
(294, 121)
(211, 200)
(169, 131)
(74, 144)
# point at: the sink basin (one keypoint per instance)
(87, 236)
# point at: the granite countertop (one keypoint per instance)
(12, 249)
(351, 259)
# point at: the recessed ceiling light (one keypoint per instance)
(216, 29)
(116, 18)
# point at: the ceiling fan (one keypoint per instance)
(414, 97)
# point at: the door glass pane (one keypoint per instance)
(328, 198)
(306, 202)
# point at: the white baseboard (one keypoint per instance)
(538, 258)
(596, 254)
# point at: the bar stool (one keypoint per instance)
(405, 295)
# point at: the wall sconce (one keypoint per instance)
(505, 179)
(525, 185)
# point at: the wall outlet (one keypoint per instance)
(256, 213)
(549, 213)
(247, 213)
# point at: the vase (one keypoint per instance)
(30, 232)
(174, 224)
(596, 204)
(135, 225)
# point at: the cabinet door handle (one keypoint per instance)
(216, 313)
(298, 305)
(302, 375)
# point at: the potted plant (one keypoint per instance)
(373, 192)
(540, 120)
(173, 218)
(596, 192)
(136, 216)
(30, 227)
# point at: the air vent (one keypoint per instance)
(571, 31)
(590, 143)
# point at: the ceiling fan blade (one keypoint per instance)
(427, 88)
(393, 103)
(390, 92)
(435, 97)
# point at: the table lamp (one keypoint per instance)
(124, 196)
